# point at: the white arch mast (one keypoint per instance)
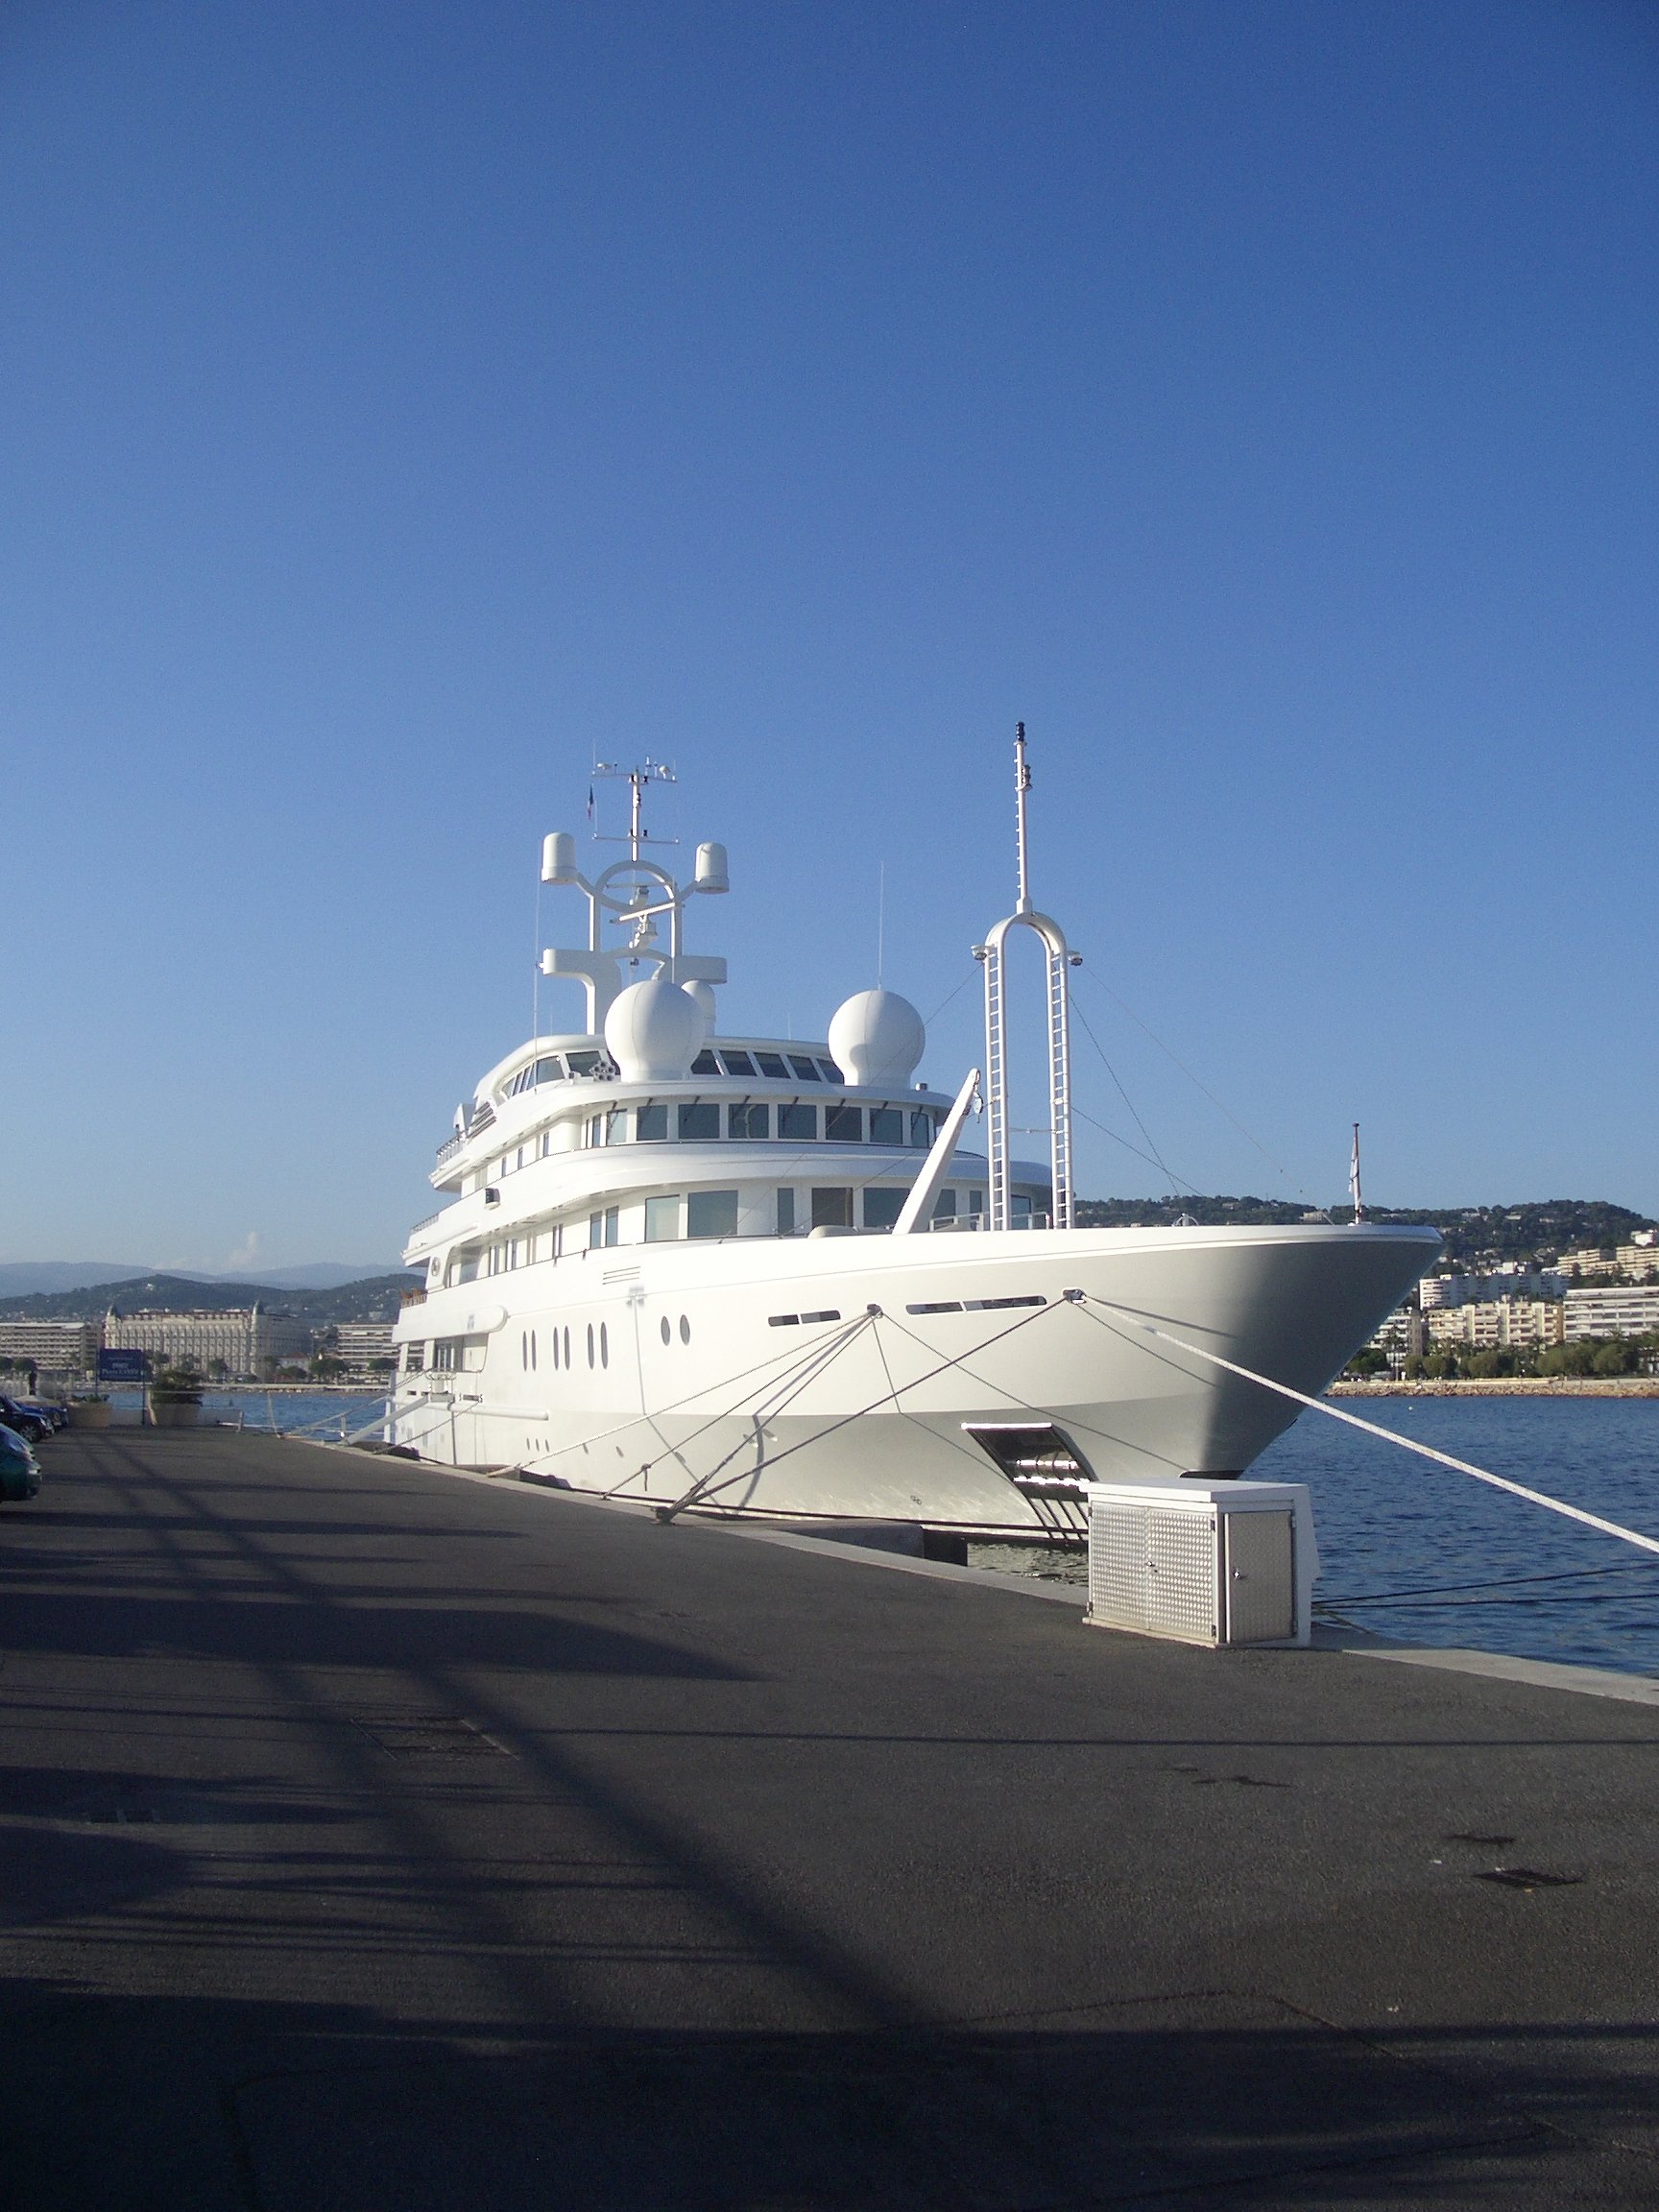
(991, 954)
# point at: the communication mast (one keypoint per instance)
(1060, 959)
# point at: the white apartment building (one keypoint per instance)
(62, 1347)
(1507, 1324)
(1589, 1260)
(240, 1338)
(1506, 1282)
(364, 1346)
(1400, 1335)
(1609, 1311)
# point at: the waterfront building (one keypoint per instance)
(1510, 1281)
(1629, 1310)
(239, 1338)
(1506, 1324)
(1403, 1334)
(1589, 1260)
(364, 1346)
(59, 1347)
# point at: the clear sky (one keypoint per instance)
(404, 403)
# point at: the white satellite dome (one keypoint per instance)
(704, 996)
(654, 1031)
(877, 1038)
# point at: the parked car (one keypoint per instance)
(47, 1410)
(19, 1469)
(24, 1420)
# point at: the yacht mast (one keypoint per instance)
(1060, 959)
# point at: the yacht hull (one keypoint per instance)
(804, 1378)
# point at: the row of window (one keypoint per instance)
(773, 1066)
(677, 1217)
(703, 1120)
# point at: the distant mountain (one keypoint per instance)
(374, 1298)
(1474, 1235)
(19, 1277)
(318, 1274)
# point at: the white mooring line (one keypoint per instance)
(1374, 1429)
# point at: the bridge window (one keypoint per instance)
(751, 1120)
(798, 1123)
(712, 1213)
(832, 1209)
(844, 1125)
(705, 1064)
(698, 1122)
(736, 1063)
(651, 1124)
(661, 1220)
(882, 1208)
(772, 1064)
(603, 1228)
(786, 1213)
(807, 1069)
(886, 1125)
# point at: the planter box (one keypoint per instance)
(166, 1414)
(87, 1413)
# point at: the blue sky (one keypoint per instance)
(404, 405)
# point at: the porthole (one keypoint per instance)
(532, 1351)
(555, 1348)
(589, 1343)
(603, 1345)
(523, 1349)
(685, 1330)
(667, 1333)
(567, 1347)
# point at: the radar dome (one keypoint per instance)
(876, 1037)
(654, 1031)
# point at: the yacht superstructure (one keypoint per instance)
(750, 1274)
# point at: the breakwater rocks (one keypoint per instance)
(1508, 1387)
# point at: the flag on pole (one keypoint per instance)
(1353, 1177)
(590, 802)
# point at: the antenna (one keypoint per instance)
(636, 779)
(995, 1089)
(1022, 784)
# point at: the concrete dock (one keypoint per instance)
(376, 1838)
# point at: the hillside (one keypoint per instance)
(1475, 1236)
(376, 1298)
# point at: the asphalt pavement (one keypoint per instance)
(375, 1839)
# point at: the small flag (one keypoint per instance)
(590, 802)
(1354, 1176)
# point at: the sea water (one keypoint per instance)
(1418, 1552)
(1397, 1536)
(317, 1413)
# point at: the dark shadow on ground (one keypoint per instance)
(1209, 2099)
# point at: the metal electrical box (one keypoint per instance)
(1216, 1563)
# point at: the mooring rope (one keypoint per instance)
(841, 1420)
(1084, 1299)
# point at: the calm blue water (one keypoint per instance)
(1388, 1521)
(309, 1415)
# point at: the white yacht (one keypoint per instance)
(756, 1275)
